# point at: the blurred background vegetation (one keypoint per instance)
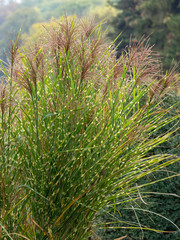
(132, 18)
(25, 13)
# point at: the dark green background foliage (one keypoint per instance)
(160, 19)
(166, 203)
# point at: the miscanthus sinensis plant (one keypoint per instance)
(75, 129)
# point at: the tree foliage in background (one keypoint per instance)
(160, 18)
(13, 15)
(125, 21)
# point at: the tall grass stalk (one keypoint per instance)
(80, 130)
(7, 111)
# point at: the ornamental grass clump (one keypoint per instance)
(75, 133)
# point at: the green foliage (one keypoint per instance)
(57, 8)
(21, 18)
(125, 21)
(161, 197)
(25, 18)
(160, 18)
(5, 13)
(26, 13)
(74, 135)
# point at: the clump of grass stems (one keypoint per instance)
(74, 136)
